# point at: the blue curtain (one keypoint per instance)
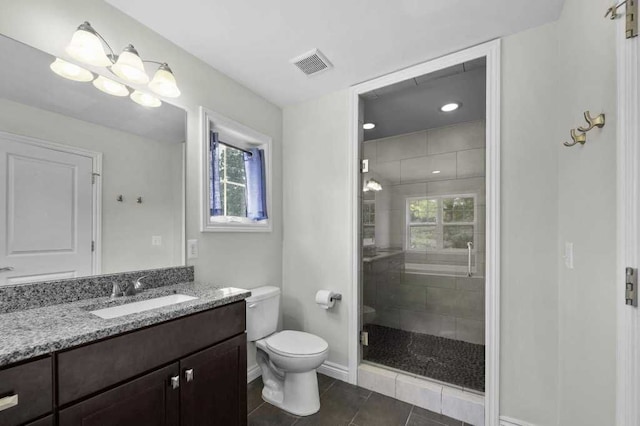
(215, 199)
(256, 184)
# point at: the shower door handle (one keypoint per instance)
(469, 248)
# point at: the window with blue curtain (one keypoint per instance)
(237, 181)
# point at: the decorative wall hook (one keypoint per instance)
(578, 138)
(597, 121)
(579, 135)
(120, 198)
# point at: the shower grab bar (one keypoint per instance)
(469, 248)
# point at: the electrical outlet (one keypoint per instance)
(192, 249)
(568, 255)
(156, 240)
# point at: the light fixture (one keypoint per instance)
(110, 87)
(450, 107)
(372, 185)
(435, 172)
(129, 66)
(86, 47)
(145, 99)
(368, 126)
(70, 71)
(164, 82)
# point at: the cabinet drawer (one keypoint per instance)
(25, 392)
(97, 366)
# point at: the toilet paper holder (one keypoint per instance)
(336, 296)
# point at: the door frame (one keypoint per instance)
(628, 226)
(96, 159)
(490, 50)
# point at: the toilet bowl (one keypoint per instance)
(288, 359)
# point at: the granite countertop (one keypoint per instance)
(381, 255)
(33, 332)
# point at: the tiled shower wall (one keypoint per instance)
(404, 164)
(445, 306)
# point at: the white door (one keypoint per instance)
(46, 202)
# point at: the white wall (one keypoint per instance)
(316, 237)
(529, 290)
(587, 212)
(242, 260)
(132, 166)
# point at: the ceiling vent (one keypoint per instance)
(312, 62)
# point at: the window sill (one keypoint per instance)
(226, 224)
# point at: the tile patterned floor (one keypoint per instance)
(447, 360)
(344, 404)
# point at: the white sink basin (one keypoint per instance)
(143, 305)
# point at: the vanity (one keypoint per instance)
(181, 364)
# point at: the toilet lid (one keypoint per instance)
(291, 342)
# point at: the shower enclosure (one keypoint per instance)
(423, 226)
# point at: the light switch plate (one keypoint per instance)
(568, 255)
(192, 249)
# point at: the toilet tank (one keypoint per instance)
(263, 308)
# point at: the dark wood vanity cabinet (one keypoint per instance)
(191, 371)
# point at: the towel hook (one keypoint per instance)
(578, 138)
(597, 121)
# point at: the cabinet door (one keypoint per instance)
(151, 400)
(214, 385)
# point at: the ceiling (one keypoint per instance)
(252, 41)
(414, 104)
(27, 79)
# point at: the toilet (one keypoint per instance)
(288, 359)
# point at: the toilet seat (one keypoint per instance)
(291, 343)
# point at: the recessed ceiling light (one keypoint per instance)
(368, 126)
(450, 107)
(435, 172)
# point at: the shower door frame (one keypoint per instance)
(490, 50)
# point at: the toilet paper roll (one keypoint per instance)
(324, 298)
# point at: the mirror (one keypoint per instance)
(89, 183)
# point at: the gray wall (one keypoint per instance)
(49, 24)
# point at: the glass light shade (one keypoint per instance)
(70, 71)
(86, 47)
(164, 82)
(145, 99)
(372, 185)
(129, 67)
(110, 87)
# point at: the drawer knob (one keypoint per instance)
(174, 382)
(188, 375)
(8, 402)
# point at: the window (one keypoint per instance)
(233, 182)
(236, 177)
(440, 223)
(369, 219)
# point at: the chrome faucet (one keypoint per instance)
(127, 289)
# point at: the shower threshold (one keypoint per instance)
(444, 360)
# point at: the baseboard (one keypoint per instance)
(253, 372)
(508, 421)
(335, 371)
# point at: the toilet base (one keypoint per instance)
(297, 394)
